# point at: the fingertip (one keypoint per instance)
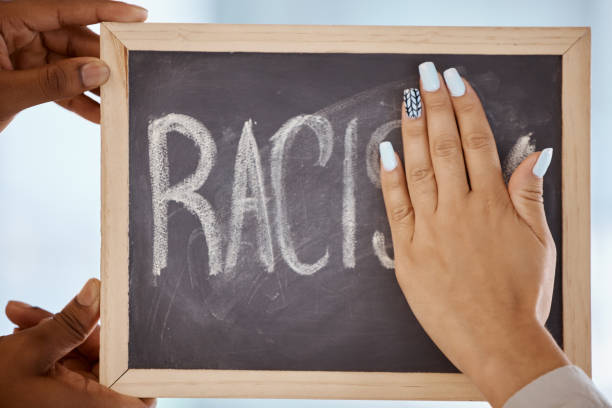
(15, 305)
(90, 293)
(542, 163)
(131, 13)
(140, 13)
(524, 172)
(94, 73)
(388, 158)
(531, 159)
(430, 79)
(8, 308)
(394, 178)
(454, 82)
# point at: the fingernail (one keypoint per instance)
(89, 294)
(539, 169)
(429, 76)
(20, 305)
(412, 100)
(94, 74)
(454, 82)
(387, 156)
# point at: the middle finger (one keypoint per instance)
(73, 41)
(444, 141)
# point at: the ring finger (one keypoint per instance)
(419, 171)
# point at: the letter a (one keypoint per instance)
(248, 174)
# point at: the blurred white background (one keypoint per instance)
(50, 161)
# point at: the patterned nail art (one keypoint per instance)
(412, 99)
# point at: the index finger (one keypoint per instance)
(73, 41)
(46, 15)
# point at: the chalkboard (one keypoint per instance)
(257, 233)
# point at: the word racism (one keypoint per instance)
(249, 176)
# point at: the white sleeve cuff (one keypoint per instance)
(564, 387)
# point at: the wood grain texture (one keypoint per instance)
(293, 384)
(116, 41)
(362, 39)
(576, 110)
(114, 222)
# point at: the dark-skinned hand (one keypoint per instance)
(52, 360)
(48, 54)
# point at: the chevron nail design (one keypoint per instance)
(412, 99)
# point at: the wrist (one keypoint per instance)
(513, 359)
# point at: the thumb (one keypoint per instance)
(64, 78)
(526, 188)
(59, 335)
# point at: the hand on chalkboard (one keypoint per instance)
(48, 54)
(52, 360)
(474, 257)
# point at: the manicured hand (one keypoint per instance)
(52, 360)
(48, 54)
(474, 257)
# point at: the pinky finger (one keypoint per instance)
(400, 212)
(83, 106)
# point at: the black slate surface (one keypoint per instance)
(339, 318)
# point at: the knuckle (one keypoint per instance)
(531, 194)
(401, 213)
(415, 129)
(420, 173)
(491, 202)
(466, 107)
(438, 105)
(479, 141)
(52, 81)
(394, 181)
(446, 146)
(71, 325)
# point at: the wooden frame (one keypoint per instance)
(573, 44)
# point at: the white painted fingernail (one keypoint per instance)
(429, 76)
(454, 82)
(387, 156)
(539, 169)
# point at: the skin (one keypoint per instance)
(44, 45)
(52, 360)
(475, 260)
(48, 54)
